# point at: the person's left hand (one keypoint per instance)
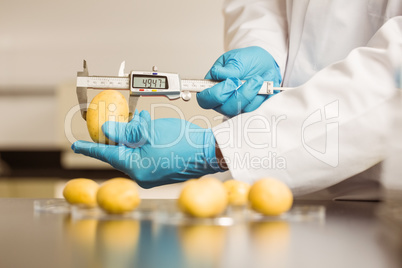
(230, 97)
(155, 152)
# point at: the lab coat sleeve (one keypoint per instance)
(324, 131)
(248, 21)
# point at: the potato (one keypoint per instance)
(81, 191)
(270, 197)
(237, 192)
(118, 195)
(108, 105)
(205, 197)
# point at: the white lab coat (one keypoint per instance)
(341, 57)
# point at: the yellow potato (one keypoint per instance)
(118, 195)
(237, 192)
(108, 105)
(182, 198)
(205, 197)
(270, 197)
(81, 191)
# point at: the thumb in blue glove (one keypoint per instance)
(155, 152)
(253, 64)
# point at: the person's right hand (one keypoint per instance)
(231, 97)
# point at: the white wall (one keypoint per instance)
(43, 43)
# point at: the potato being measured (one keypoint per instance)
(108, 105)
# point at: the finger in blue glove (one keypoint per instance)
(231, 97)
(243, 64)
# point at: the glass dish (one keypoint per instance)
(167, 212)
(56, 206)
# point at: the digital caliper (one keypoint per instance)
(142, 83)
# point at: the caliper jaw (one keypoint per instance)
(82, 92)
(133, 99)
(132, 103)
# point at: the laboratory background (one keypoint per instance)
(43, 45)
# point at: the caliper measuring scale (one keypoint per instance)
(143, 83)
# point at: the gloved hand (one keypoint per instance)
(155, 152)
(230, 97)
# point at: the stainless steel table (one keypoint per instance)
(349, 235)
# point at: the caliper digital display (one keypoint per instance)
(149, 81)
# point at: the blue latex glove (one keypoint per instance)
(253, 64)
(155, 152)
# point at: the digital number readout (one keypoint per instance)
(150, 81)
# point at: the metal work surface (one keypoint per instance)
(348, 235)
